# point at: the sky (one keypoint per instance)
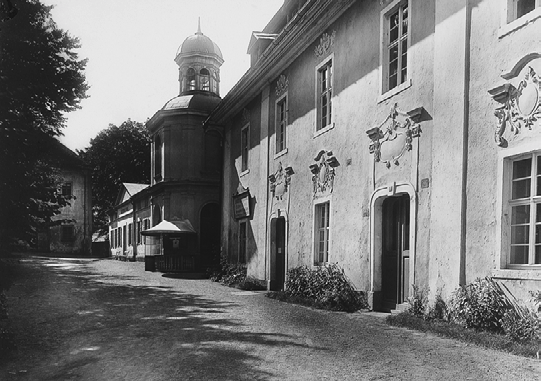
(131, 45)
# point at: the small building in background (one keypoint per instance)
(71, 230)
(130, 216)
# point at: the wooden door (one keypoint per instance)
(395, 251)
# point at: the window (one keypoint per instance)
(525, 211)
(190, 79)
(395, 45)
(244, 141)
(518, 8)
(124, 236)
(66, 189)
(158, 158)
(129, 234)
(281, 124)
(67, 233)
(321, 234)
(243, 236)
(204, 80)
(324, 95)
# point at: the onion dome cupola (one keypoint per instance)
(199, 60)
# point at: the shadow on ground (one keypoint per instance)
(91, 326)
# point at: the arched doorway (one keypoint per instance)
(209, 238)
(278, 254)
(393, 211)
(395, 251)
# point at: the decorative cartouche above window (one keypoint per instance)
(245, 116)
(281, 85)
(323, 172)
(279, 181)
(520, 106)
(325, 43)
(394, 136)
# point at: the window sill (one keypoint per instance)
(519, 23)
(280, 154)
(529, 273)
(323, 130)
(394, 91)
(244, 173)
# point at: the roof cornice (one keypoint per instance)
(307, 25)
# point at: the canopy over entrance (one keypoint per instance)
(166, 227)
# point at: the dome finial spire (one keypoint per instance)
(199, 25)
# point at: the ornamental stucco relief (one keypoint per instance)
(279, 182)
(325, 43)
(520, 106)
(323, 173)
(394, 136)
(281, 85)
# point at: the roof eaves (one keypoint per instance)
(291, 42)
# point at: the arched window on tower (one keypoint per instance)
(158, 158)
(204, 80)
(190, 79)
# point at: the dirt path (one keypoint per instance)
(108, 320)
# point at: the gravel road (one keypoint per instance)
(81, 319)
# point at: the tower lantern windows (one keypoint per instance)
(204, 80)
(190, 79)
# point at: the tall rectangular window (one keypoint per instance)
(525, 211)
(244, 143)
(324, 95)
(396, 44)
(130, 234)
(321, 234)
(66, 189)
(243, 237)
(281, 124)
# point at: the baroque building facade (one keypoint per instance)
(397, 138)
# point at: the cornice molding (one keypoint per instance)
(305, 28)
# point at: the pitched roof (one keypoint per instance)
(134, 188)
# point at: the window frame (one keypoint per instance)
(324, 66)
(532, 201)
(158, 158)
(67, 185)
(386, 13)
(320, 259)
(280, 125)
(244, 148)
(509, 20)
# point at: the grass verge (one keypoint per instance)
(481, 338)
(309, 302)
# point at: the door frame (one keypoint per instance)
(275, 215)
(376, 235)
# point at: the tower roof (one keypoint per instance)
(198, 43)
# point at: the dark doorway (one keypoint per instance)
(395, 251)
(278, 253)
(209, 238)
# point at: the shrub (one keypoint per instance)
(326, 285)
(439, 309)
(520, 326)
(418, 302)
(480, 304)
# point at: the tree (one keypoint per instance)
(41, 78)
(116, 155)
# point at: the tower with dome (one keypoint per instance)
(186, 169)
